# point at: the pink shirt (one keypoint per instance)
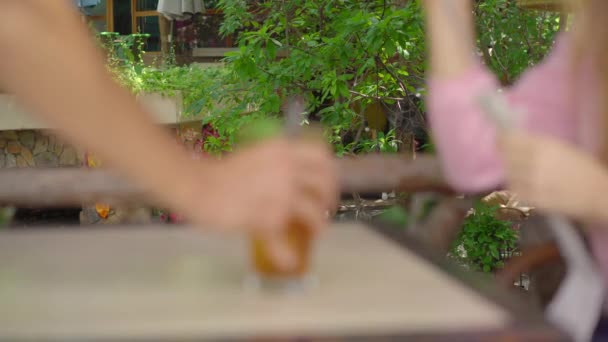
(560, 100)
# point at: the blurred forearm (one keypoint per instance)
(451, 36)
(53, 67)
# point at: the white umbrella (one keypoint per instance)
(180, 9)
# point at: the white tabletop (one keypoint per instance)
(159, 282)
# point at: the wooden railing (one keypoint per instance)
(63, 187)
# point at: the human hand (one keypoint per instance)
(260, 188)
(554, 175)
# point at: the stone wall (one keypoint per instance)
(41, 148)
(28, 142)
(35, 148)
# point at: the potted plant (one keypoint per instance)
(138, 42)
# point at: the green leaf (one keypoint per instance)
(271, 50)
(494, 251)
(276, 42)
(390, 48)
(395, 215)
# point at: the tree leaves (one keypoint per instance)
(513, 39)
(337, 53)
(342, 50)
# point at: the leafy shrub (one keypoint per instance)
(484, 241)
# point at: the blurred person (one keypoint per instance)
(52, 66)
(556, 158)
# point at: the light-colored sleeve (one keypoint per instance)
(465, 138)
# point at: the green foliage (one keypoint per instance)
(384, 143)
(342, 54)
(198, 86)
(428, 148)
(396, 216)
(484, 239)
(513, 39)
(337, 52)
